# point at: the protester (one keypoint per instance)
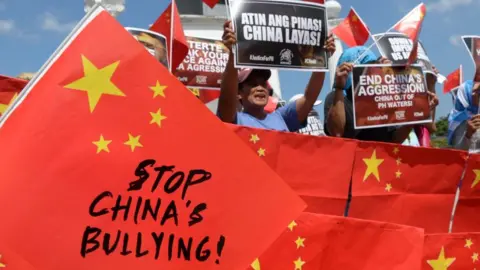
(338, 109)
(249, 86)
(464, 120)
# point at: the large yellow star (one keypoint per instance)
(4, 107)
(102, 144)
(468, 243)
(256, 264)
(254, 138)
(133, 142)
(477, 178)
(261, 152)
(96, 82)
(299, 242)
(158, 90)
(157, 118)
(292, 225)
(441, 263)
(298, 264)
(1, 264)
(372, 166)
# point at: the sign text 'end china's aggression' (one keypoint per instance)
(282, 29)
(391, 90)
(157, 207)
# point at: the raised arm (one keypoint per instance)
(228, 100)
(314, 86)
(336, 118)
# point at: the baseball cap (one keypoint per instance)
(243, 74)
(297, 96)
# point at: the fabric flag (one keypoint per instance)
(106, 175)
(466, 218)
(453, 251)
(352, 30)
(454, 80)
(411, 25)
(406, 185)
(316, 1)
(211, 3)
(9, 89)
(309, 164)
(173, 31)
(324, 242)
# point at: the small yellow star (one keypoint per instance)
(133, 142)
(4, 107)
(354, 18)
(398, 174)
(441, 263)
(96, 82)
(157, 117)
(254, 138)
(292, 225)
(299, 242)
(195, 91)
(399, 161)
(102, 144)
(158, 90)
(477, 178)
(372, 166)
(475, 257)
(396, 150)
(261, 152)
(468, 243)
(1, 264)
(388, 187)
(256, 264)
(298, 264)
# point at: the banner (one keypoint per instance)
(281, 34)
(397, 47)
(204, 64)
(386, 95)
(155, 43)
(473, 46)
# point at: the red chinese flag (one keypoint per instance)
(330, 243)
(405, 185)
(319, 169)
(352, 30)
(106, 175)
(9, 90)
(453, 81)
(411, 25)
(452, 251)
(316, 1)
(172, 29)
(211, 3)
(466, 218)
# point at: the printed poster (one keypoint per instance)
(473, 46)
(281, 34)
(386, 95)
(155, 43)
(204, 65)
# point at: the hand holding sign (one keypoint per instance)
(330, 44)
(341, 75)
(433, 100)
(228, 37)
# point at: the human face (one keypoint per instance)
(254, 92)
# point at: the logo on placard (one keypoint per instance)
(183, 79)
(400, 115)
(310, 61)
(219, 81)
(418, 114)
(201, 79)
(286, 56)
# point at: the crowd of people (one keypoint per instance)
(244, 95)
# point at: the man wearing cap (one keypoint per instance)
(250, 88)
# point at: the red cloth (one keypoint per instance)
(411, 26)
(352, 30)
(454, 80)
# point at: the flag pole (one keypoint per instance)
(388, 31)
(170, 51)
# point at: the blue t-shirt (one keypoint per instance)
(283, 119)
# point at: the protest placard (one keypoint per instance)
(397, 48)
(204, 64)
(283, 34)
(386, 95)
(155, 43)
(473, 46)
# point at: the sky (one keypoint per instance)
(30, 30)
